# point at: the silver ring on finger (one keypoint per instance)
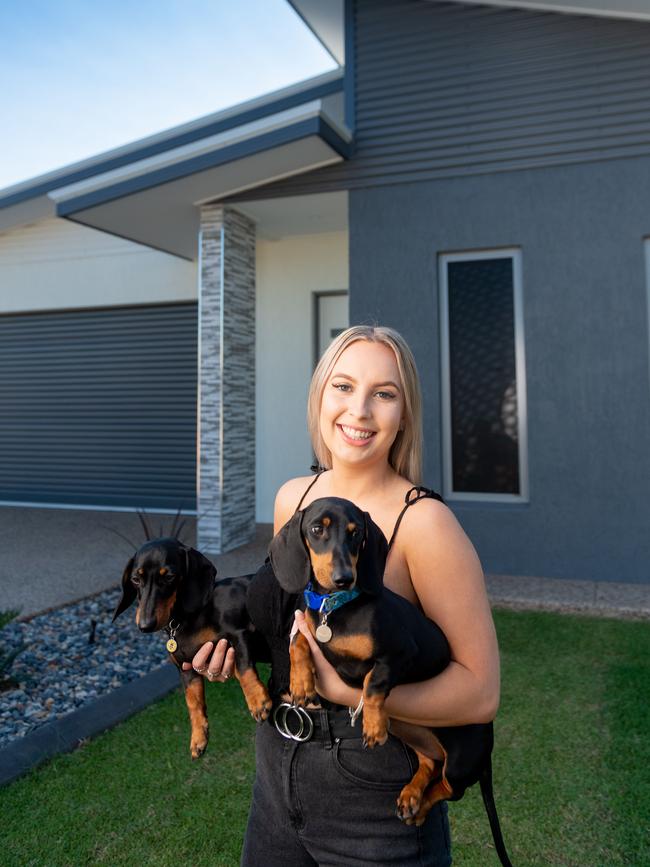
(212, 675)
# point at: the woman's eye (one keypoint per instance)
(385, 395)
(342, 386)
(316, 530)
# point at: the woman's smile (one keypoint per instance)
(355, 436)
(362, 403)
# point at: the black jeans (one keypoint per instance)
(331, 803)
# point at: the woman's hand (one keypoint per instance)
(328, 684)
(217, 666)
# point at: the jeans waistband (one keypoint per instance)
(301, 724)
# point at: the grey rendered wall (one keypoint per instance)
(581, 230)
(449, 89)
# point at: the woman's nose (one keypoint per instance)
(359, 405)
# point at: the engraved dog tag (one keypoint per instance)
(323, 633)
(171, 645)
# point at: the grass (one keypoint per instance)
(570, 768)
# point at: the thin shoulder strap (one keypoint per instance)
(309, 487)
(412, 496)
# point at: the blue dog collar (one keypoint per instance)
(328, 602)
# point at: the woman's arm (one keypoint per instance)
(447, 577)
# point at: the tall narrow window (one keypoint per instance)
(484, 397)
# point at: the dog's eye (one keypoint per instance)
(136, 579)
(316, 530)
(355, 533)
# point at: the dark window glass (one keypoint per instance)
(484, 428)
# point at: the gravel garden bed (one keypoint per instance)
(71, 656)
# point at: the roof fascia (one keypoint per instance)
(635, 9)
(317, 125)
(295, 5)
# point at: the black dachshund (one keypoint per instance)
(176, 591)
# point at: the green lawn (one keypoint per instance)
(572, 764)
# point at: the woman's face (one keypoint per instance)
(363, 403)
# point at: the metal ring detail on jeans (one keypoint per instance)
(280, 721)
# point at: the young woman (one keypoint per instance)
(327, 801)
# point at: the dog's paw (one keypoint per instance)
(261, 711)
(439, 790)
(408, 803)
(374, 739)
(303, 691)
(303, 699)
(259, 702)
(199, 742)
(375, 731)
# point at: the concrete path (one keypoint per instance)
(600, 598)
(53, 556)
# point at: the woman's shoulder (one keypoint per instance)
(429, 528)
(426, 511)
(293, 487)
(288, 497)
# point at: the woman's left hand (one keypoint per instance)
(328, 684)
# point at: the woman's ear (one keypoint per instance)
(196, 587)
(128, 590)
(372, 559)
(289, 557)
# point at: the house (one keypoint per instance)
(475, 175)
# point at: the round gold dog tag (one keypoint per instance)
(323, 633)
(171, 645)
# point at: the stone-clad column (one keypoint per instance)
(226, 465)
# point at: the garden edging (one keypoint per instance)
(68, 732)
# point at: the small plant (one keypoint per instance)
(7, 657)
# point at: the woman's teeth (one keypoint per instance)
(356, 434)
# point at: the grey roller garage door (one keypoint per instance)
(98, 407)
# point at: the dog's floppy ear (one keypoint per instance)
(372, 559)
(289, 557)
(128, 590)
(196, 587)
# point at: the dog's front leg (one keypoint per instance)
(376, 686)
(256, 694)
(195, 700)
(302, 684)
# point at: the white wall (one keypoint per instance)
(55, 264)
(289, 271)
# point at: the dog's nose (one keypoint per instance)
(343, 581)
(147, 624)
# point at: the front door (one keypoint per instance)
(331, 319)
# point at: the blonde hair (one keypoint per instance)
(405, 455)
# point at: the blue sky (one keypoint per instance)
(82, 76)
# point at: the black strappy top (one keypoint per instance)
(271, 608)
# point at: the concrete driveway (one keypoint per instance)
(53, 556)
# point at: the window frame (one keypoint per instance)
(444, 259)
(646, 254)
